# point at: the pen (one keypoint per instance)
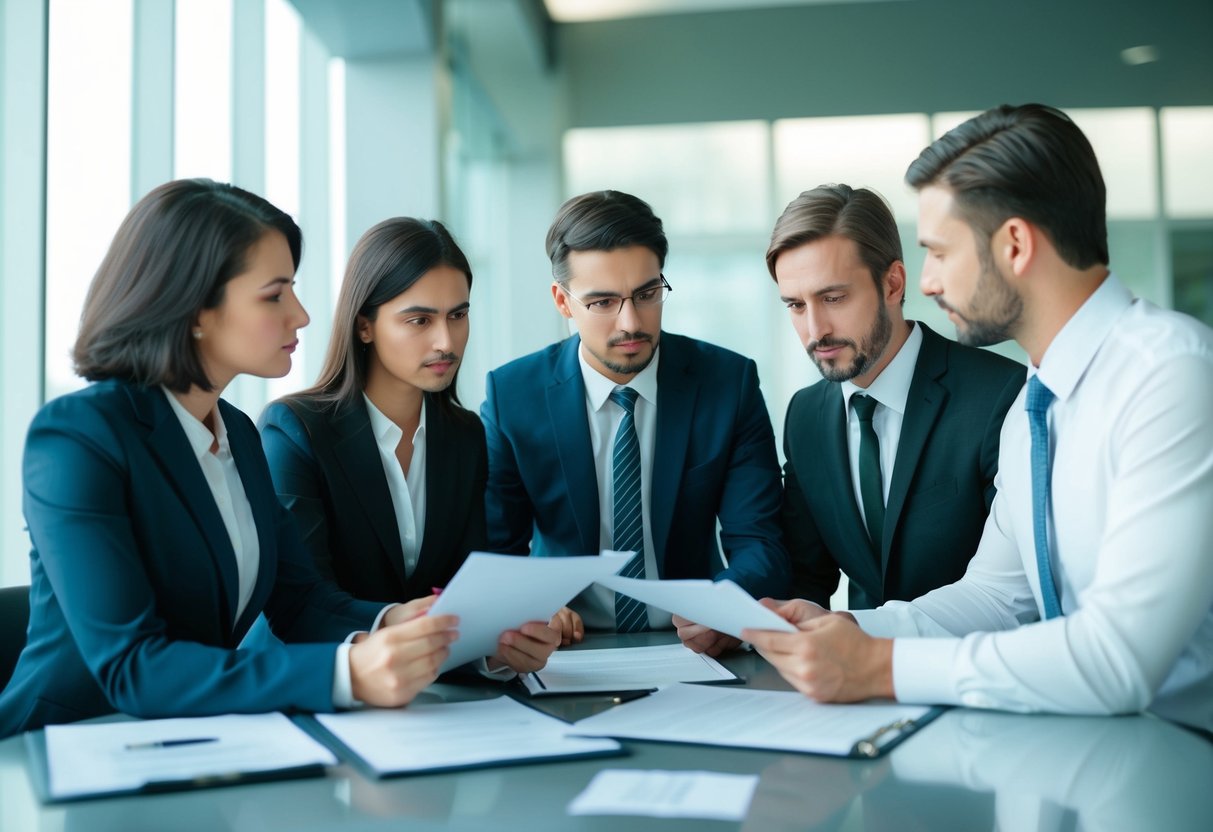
(137, 746)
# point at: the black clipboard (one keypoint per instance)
(322, 735)
(37, 766)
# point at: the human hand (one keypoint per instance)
(569, 625)
(526, 649)
(400, 613)
(795, 611)
(829, 659)
(703, 639)
(393, 664)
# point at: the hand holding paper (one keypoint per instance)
(718, 605)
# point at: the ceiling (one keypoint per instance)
(580, 11)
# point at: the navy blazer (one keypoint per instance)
(134, 586)
(713, 460)
(940, 492)
(328, 473)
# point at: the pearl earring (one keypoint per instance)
(197, 335)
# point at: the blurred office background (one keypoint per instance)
(487, 114)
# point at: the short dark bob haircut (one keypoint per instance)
(171, 259)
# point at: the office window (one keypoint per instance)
(203, 90)
(282, 168)
(88, 119)
(1187, 143)
(338, 245)
(700, 178)
(1124, 140)
(862, 151)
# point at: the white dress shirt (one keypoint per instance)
(219, 470)
(890, 389)
(1131, 538)
(408, 492)
(604, 417)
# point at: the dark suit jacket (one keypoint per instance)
(940, 493)
(134, 583)
(714, 459)
(328, 473)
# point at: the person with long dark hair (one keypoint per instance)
(379, 463)
(157, 537)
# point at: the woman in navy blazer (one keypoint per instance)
(379, 463)
(157, 537)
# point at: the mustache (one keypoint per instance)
(624, 337)
(444, 357)
(828, 343)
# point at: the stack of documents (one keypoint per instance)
(456, 735)
(766, 719)
(165, 754)
(624, 668)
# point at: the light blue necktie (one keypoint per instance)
(630, 615)
(1039, 398)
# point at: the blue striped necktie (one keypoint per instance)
(1039, 398)
(630, 615)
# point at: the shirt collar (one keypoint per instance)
(197, 434)
(598, 387)
(388, 433)
(1074, 347)
(892, 387)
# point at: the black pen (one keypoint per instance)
(136, 746)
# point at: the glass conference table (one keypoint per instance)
(968, 770)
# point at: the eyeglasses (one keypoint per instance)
(651, 296)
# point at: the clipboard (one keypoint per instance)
(495, 756)
(39, 775)
(780, 721)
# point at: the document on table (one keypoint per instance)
(166, 754)
(667, 794)
(624, 668)
(773, 720)
(495, 593)
(721, 605)
(454, 735)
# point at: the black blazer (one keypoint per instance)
(327, 472)
(941, 489)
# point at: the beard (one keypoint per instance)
(636, 364)
(867, 352)
(994, 312)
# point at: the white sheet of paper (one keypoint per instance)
(120, 756)
(495, 593)
(624, 668)
(455, 734)
(745, 718)
(720, 605)
(667, 794)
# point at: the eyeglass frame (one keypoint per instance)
(663, 289)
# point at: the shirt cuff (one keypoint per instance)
(922, 670)
(343, 689)
(874, 623)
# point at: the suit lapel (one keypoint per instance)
(837, 465)
(168, 443)
(246, 450)
(677, 389)
(923, 405)
(440, 490)
(565, 397)
(358, 455)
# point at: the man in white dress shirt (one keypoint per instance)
(1092, 587)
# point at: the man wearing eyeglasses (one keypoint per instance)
(625, 437)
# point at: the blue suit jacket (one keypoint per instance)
(714, 460)
(134, 584)
(327, 472)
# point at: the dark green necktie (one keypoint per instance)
(871, 485)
